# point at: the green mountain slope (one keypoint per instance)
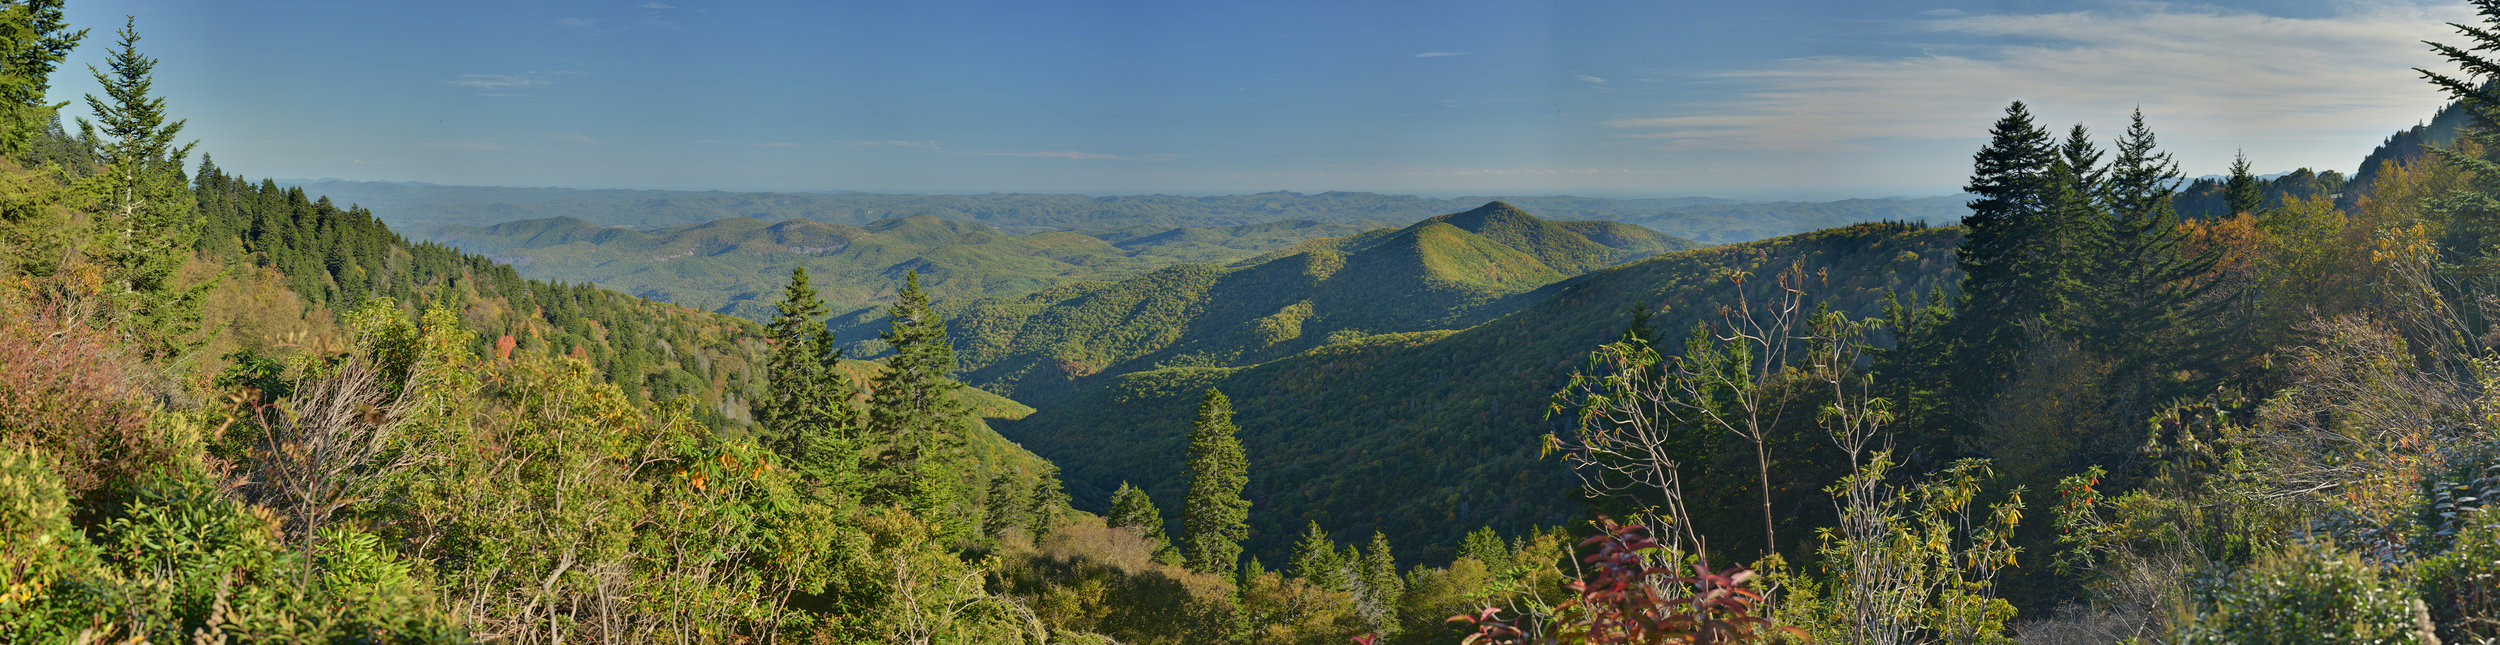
(1446, 272)
(331, 259)
(1426, 435)
(737, 265)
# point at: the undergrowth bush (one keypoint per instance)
(2308, 594)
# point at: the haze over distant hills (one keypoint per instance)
(738, 265)
(420, 208)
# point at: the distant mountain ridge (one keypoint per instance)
(1447, 272)
(738, 265)
(421, 207)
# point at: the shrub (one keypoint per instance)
(2462, 585)
(2306, 594)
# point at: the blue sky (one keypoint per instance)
(1810, 100)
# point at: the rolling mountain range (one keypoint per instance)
(1448, 272)
(737, 266)
(421, 208)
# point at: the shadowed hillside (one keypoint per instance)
(1424, 435)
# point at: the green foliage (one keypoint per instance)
(2307, 594)
(1214, 517)
(2241, 194)
(34, 39)
(145, 223)
(179, 561)
(2462, 585)
(1133, 509)
(2005, 275)
(807, 407)
(1425, 436)
(915, 422)
(1446, 272)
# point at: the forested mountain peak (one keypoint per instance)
(1446, 272)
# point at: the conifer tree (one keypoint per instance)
(1379, 572)
(2148, 302)
(1047, 502)
(2242, 192)
(146, 225)
(1315, 560)
(1004, 510)
(807, 411)
(1486, 547)
(2003, 266)
(913, 411)
(1215, 518)
(1133, 509)
(34, 38)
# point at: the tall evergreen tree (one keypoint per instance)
(1315, 560)
(2148, 303)
(913, 411)
(1485, 546)
(1381, 586)
(1048, 501)
(2002, 261)
(806, 412)
(145, 225)
(1215, 518)
(2242, 191)
(1132, 508)
(34, 39)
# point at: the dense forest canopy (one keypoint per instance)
(2112, 405)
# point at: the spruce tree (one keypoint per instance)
(1315, 560)
(2004, 268)
(1215, 518)
(1048, 501)
(2148, 306)
(2242, 192)
(145, 219)
(1486, 547)
(1379, 572)
(913, 412)
(1133, 509)
(806, 412)
(34, 39)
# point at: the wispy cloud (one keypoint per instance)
(464, 145)
(573, 137)
(2193, 69)
(1088, 156)
(1585, 78)
(1438, 54)
(777, 144)
(655, 6)
(921, 144)
(578, 23)
(499, 81)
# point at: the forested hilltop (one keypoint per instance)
(1447, 272)
(236, 411)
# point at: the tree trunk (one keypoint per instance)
(1762, 458)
